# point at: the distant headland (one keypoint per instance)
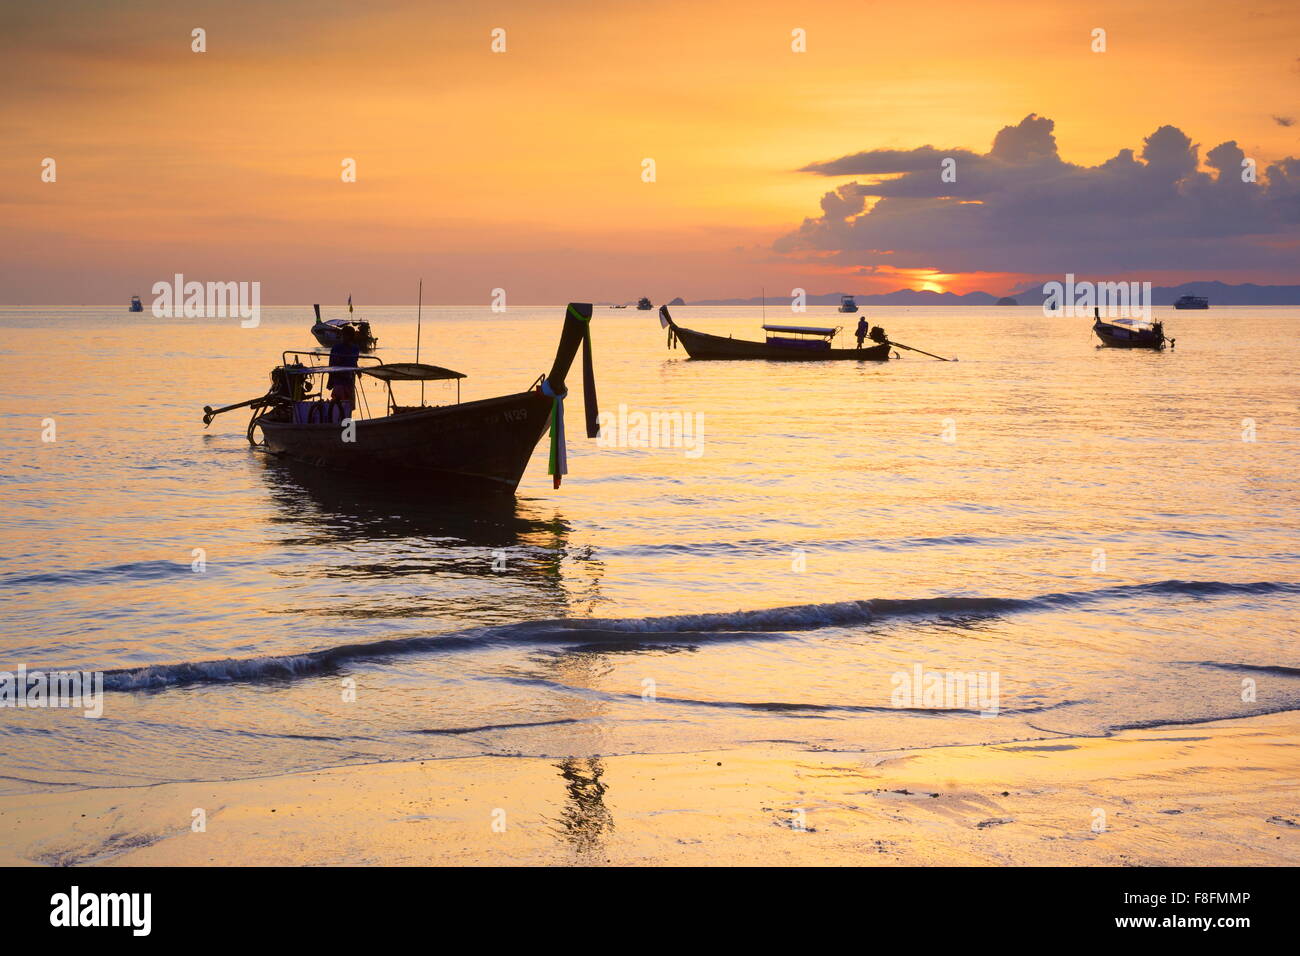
(1219, 293)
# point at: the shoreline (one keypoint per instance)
(1208, 794)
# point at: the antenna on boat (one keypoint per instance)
(419, 316)
(763, 294)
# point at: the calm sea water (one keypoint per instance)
(1089, 526)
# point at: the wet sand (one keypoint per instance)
(1223, 793)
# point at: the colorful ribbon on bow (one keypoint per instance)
(559, 463)
(559, 458)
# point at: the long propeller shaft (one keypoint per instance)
(900, 345)
(210, 413)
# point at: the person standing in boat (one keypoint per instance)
(346, 352)
(862, 330)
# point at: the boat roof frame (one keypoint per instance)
(804, 330)
(394, 372)
(1130, 323)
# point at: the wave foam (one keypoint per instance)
(734, 625)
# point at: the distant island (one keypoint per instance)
(1219, 293)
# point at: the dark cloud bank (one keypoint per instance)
(1020, 208)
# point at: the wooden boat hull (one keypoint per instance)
(701, 345)
(1118, 337)
(483, 445)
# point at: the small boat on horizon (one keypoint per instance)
(136, 304)
(644, 304)
(329, 332)
(799, 343)
(476, 446)
(1130, 333)
(848, 304)
(1192, 302)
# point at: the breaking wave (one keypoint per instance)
(733, 625)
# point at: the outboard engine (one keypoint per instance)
(280, 386)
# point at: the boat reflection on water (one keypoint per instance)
(521, 559)
(585, 822)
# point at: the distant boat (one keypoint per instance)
(327, 332)
(1130, 333)
(136, 304)
(1192, 302)
(847, 304)
(789, 343)
(644, 304)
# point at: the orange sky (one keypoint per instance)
(523, 170)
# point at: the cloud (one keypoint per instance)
(1021, 208)
(1284, 120)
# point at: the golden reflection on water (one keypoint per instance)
(1060, 450)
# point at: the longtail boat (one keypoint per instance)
(479, 445)
(1130, 333)
(789, 343)
(329, 332)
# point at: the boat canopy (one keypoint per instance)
(1128, 323)
(409, 372)
(393, 372)
(799, 329)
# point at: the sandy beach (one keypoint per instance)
(1222, 793)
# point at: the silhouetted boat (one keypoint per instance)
(644, 304)
(481, 445)
(791, 343)
(848, 304)
(327, 332)
(136, 304)
(1130, 333)
(1192, 302)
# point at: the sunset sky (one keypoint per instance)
(523, 169)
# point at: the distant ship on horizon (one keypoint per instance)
(136, 304)
(1192, 302)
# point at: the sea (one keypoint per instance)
(1036, 540)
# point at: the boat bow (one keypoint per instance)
(577, 331)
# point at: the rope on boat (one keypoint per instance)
(253, 423)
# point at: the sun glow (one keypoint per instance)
(524, 187)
